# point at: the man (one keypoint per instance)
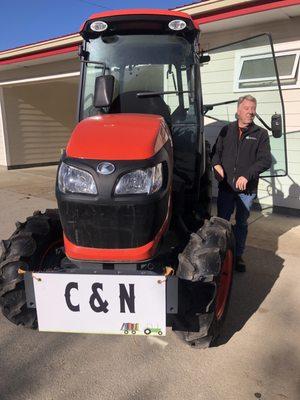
(240, 154)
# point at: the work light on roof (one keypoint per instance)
(99, 26)
(177, 25)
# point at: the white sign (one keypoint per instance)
(109, 304)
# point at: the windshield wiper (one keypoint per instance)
(152, 94)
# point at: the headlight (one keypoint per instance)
(74, 180)
(141, 181)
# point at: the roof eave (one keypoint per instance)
(211, 5)
(40, 47)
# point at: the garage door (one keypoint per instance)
(40, 117)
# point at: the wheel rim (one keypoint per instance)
(49, 253)
(224, 284)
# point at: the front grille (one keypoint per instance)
(116, 226)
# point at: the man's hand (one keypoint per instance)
(219, 172)
(241, 183)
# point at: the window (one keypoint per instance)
(256, 72)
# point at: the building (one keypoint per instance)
(39, 83)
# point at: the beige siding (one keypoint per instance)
(218, 85)
(39, 120)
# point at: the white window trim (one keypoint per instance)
(281, 54)
(242, 55)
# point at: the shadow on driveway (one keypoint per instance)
(249, 290)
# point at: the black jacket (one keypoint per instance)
(247, 156)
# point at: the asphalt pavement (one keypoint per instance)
(258, 356)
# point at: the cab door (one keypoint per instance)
(237, 69)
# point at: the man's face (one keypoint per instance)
(246, 112)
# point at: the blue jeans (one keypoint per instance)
(227, 202)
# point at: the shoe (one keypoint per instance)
(240, 265)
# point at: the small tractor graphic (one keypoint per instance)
(130, 327)
(157, 330)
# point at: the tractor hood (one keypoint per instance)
(118, 137)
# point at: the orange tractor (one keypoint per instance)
(132, 239)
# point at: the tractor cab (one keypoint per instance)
(152, 61)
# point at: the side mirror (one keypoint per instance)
(104, 90)
(276, 125)
(204, 58)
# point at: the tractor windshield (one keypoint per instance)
(163, 64)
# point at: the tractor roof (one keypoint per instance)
(142, 12)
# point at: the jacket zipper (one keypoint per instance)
(237, 157)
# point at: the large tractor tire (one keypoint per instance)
(36, 245)
(205, 271)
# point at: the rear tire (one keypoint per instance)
(206, 269)
(36, 245)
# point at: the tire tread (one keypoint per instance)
(23, 250)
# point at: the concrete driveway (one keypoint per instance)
(258, 358)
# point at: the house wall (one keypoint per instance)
(218, 86)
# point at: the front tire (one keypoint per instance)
(206, 269)
(36, 245)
